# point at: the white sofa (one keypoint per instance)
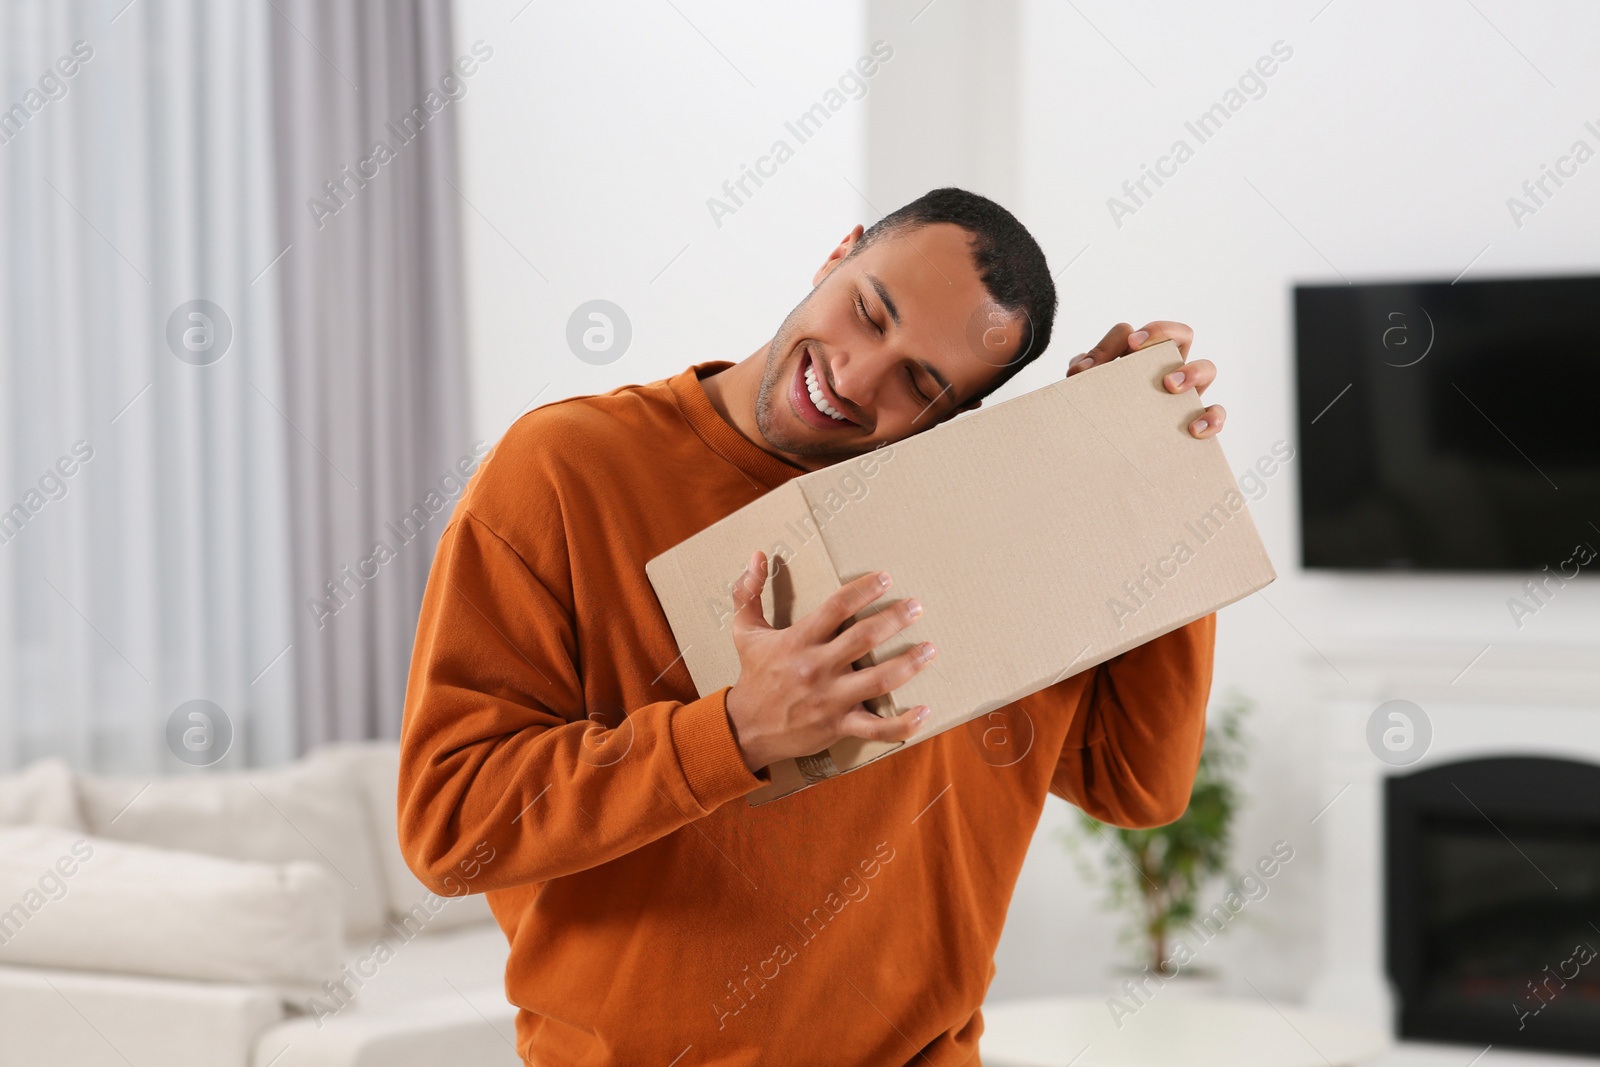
(257, 919)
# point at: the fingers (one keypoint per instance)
(1155, 332)
(867, 634)
(1209, 424)
(824, 621)
(1112, 345)
(889, 675)
(747, 593)
(1197, 376)
(859, 722)
(1122, 339)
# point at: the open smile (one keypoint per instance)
(812, 399)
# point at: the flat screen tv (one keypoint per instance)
(1449, 426)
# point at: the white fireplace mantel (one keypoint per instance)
(1508, 700)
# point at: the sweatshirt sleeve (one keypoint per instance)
(497, 755)
(1133, 748)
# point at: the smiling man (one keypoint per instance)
(653, 916)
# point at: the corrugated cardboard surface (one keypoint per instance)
(1043, 536)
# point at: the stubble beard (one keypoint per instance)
(774, 392)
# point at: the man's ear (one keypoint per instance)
(837, 255)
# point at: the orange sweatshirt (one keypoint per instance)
(554, 754)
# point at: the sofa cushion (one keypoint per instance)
(376, 764)
(43, 793)
(76, 901)
(467, 1026)
(304, 811)
(405, 1000)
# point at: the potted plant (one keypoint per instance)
(1155, 877)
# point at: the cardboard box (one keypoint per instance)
(1043, 536)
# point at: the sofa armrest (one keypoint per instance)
(81, 1019)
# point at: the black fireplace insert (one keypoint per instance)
(1493, 903)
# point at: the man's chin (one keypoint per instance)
(789, 443)
(797, 443)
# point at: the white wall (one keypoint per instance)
(1390, 139)
(591, 143)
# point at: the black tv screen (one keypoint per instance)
(1449, 427)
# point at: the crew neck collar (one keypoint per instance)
(722, 438)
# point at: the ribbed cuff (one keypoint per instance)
(708, 755)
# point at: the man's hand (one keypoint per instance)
(798, 691)
(1196, 375)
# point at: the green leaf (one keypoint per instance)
(1155, 876)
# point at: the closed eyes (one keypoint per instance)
(911, 375)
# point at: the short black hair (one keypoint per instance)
(1010, 262)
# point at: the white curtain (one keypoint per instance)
(178, 478)
(373, 323)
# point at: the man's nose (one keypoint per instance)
(855, 379)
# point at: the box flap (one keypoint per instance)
(694, 580)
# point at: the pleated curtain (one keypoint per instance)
(208, 404)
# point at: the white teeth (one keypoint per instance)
(818, 399)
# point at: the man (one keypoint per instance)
(550, 725)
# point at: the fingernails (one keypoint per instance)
(926, 652)
(1199, 425)
(1137, 338)
(1083, 363)
(919, 717)
(1176, 378)
(913, 608)
(883, 578)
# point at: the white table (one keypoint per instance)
(1172, 1031)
